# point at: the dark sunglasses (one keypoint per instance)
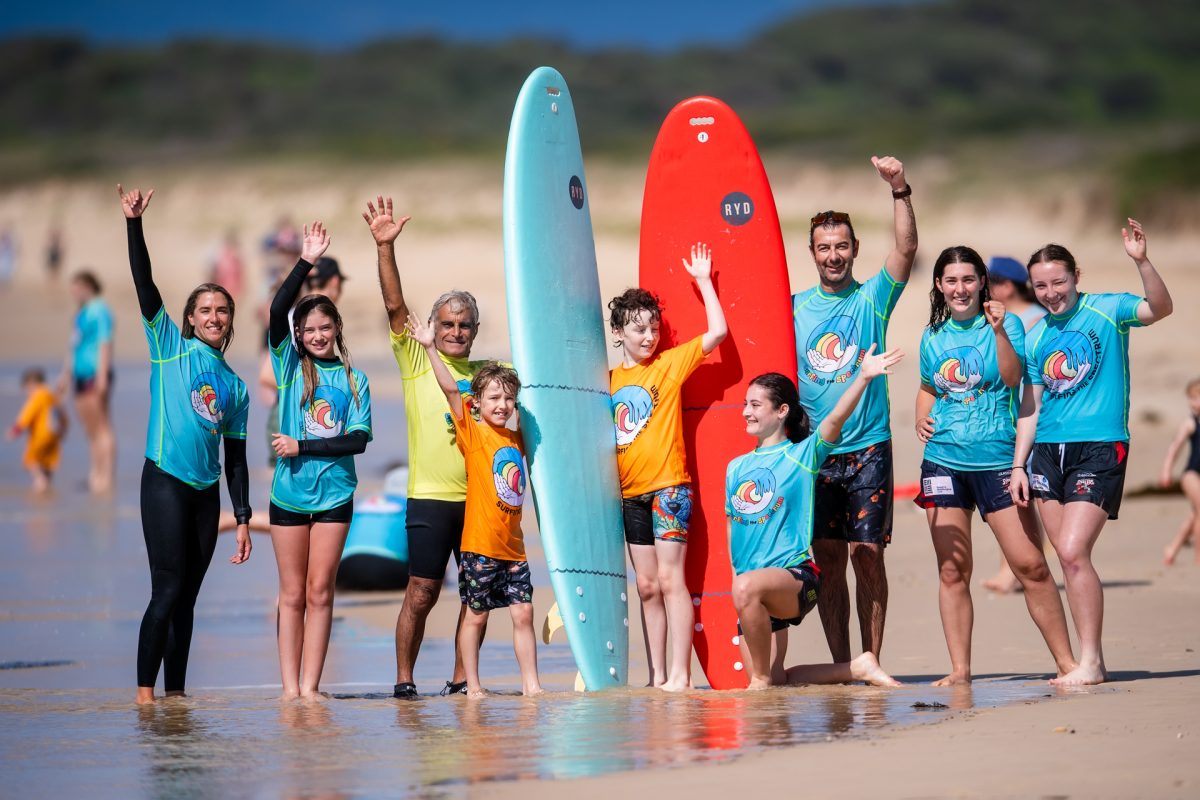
(830, 217)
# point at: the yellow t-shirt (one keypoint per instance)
(37, 417)
(435, 465)
(648, 414)
(496, 480)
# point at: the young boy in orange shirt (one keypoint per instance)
(43, 418)
(656, 493)
(493, 571)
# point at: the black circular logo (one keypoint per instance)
(575, 188)
(737, 208)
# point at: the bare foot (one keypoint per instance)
(1082, 676)
(758, 684)
(145, 696)
(533, 691)
(314, 695)
(174, 693)
(1169, 553)
(866, 668)
(954, 679)
(677, 685)
(477, 694)
(1003, 582)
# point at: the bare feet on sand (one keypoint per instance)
(866, 668)
(1083, 675)
(954, 679)
(1003, 582)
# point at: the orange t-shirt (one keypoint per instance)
(496, 480)
(648, 414)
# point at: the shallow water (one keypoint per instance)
(74, 584)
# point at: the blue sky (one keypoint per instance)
(656, 24)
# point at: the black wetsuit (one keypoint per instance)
(1193, 462)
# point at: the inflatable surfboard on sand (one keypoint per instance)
(558, 348)
(706, 183)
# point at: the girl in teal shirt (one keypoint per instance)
(325, 420)
(971, 369)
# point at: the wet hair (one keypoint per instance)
(308, 369)
(1054, 252)
(782, 391)
(939, 311)
(495, 371)
(88, 279)
(832, 219)
(457, 298)
(33, 375)
(189, 308)
(625, 307)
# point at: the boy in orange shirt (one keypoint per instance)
(43, 418)
(656, 492)
(493, 571)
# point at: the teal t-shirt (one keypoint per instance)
(833, 334)
(309, 484)
(93, 328)
(195, 400)
(975, 413)
(769, 503)
(1082, 360)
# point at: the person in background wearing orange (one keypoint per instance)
(46, 423)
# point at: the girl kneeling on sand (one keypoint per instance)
(769, 503)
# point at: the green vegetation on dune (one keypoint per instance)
(920, 76)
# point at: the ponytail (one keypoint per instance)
(782, 392)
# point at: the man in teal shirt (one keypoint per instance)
(837, 322)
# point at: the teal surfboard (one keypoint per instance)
(555, 321)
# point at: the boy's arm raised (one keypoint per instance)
(872, 367)
(422, 334)
(700, 268)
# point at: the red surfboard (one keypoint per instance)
(706, 183)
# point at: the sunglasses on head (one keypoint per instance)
(830, 217)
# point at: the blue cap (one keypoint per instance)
(1008, 269)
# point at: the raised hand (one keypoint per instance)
(133, 203)
(891, 170)
(421, 333)
(1135, 240)
(994, 310)
(700, 267)
(384, 227)
(875, 365)
(316, 242)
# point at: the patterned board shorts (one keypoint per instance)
(486, 583)
(663, 514)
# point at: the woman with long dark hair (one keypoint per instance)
(324, 420)
(769, 504)
(1075, 421)
(967, 407)
(196, 402)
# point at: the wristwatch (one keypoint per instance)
(903, 193)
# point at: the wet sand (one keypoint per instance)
(75, 581)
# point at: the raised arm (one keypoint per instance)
(385, 229)
(900, 260)
(133, 205)
(1181, 436)
(872, 367)
(422, 334)
(700, 268)
(316, 242)
(1006, 354)
(1158, 303)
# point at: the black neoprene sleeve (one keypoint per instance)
(289, 290)
(237, 475)
(139, 264)
(348, 444)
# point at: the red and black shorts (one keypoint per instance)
(1080, 472)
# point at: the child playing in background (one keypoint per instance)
(42, 416)
(656, 492)
(1190, 480)
(493, 571)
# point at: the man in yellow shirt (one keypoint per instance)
(437, 478)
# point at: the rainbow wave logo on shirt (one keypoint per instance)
(631, 407)
(755, 491)
(508, 473)
(1066, 361)
(961, 370)
(833, 345)
(325, 416)
(210, 397)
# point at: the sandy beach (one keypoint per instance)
(1014, 737)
